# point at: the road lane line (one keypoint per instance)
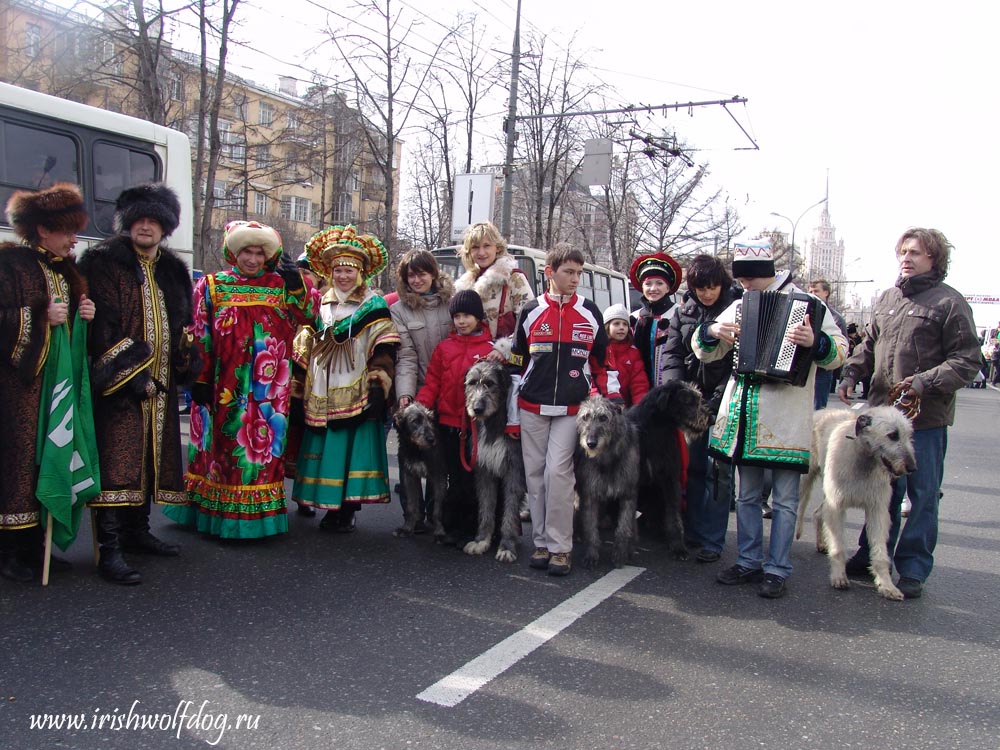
(460, 684)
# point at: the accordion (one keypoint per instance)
(761, 349)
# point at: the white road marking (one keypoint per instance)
(460, 684)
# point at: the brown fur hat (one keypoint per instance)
(58, 208)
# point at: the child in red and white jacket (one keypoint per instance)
(444, 392)
(624, 357)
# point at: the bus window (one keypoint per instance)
(619, 295)
(31, 159)
(586, 286)
(602, 292)
(115, 168)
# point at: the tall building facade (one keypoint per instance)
(824, 252)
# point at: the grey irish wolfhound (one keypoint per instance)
(607, 471)
(420, 457)
(498, 467)
(856, 456)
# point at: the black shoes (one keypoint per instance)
(856, 568)
(707, 556)
(738, 574)
(339, 521)
(143, 542)
(113, 567)
(911, 588)
(13, 569)
(306, 510)
(765, 510)
(772, 587)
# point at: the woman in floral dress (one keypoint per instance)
(244, 322)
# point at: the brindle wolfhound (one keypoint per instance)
(498, 468)
(607, 473)
(857, 456)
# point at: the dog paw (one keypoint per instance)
(589, 560)
(506, 555)
(619, 558)
(821, 548)
(681, 554)
(839, 581)
(476, 548)
(890, 592)
(402, 532)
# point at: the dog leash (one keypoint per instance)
(468, 464)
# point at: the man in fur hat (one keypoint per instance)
(40, 288)
(141, 351)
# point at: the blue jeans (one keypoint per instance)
(750, 522)
(824, 379)
(706, 515)
(914, 548)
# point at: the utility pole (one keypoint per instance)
(511, 129)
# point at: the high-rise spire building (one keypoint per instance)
(824, 252)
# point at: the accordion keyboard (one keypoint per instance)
(786, 352)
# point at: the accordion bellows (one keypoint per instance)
(762, 349)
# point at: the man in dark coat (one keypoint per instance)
(922, 338)
(40, 288)
(141, 352)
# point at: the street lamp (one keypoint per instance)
(795, 224)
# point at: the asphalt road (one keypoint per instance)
(325, 641)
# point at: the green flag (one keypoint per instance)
(66, 446)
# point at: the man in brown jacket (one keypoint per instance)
(923, 336)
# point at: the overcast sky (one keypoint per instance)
(896, 99)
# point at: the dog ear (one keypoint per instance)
(864, 421)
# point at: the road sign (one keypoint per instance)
(474, 195)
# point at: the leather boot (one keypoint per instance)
(138, 539)
(12, 569)
(113, 566)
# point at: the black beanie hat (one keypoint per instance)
(152, 201)
(467, 301)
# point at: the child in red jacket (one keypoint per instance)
(444, 392)
(624, 357)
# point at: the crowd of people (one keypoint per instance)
(294, 367)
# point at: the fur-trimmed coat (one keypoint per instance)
(502, 308)
(29, 280)
(422, 321)
(135, 387)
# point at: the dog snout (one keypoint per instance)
(911, 464)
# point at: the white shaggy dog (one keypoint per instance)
(857, 456)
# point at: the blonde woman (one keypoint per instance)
(494, 275)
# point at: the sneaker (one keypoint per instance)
(559, 564)
(539, 559)
(906, 507)
(772, 587)
(707, 555)
(738, 574)
(911, 588)
(765, 510)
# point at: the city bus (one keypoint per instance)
(44, 140)
(604, 286)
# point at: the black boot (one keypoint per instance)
(136, 537)
(12, 569)
(31, 553)
(113, 566)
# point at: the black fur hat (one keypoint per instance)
(152, 201)
(58, 208)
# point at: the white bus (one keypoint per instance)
(44, 139)
(604, 286)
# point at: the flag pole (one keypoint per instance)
(48, 551)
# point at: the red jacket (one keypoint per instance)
(632, 379)
(444, 386)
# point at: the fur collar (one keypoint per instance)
(172, 275)
(414, 301)
(490, 281)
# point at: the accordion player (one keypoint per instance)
(762, 350)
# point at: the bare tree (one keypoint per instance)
(209, 104)
(388, 82)
(551, 152)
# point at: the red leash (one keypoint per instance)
(466, 464)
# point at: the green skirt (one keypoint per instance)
(342, 466)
